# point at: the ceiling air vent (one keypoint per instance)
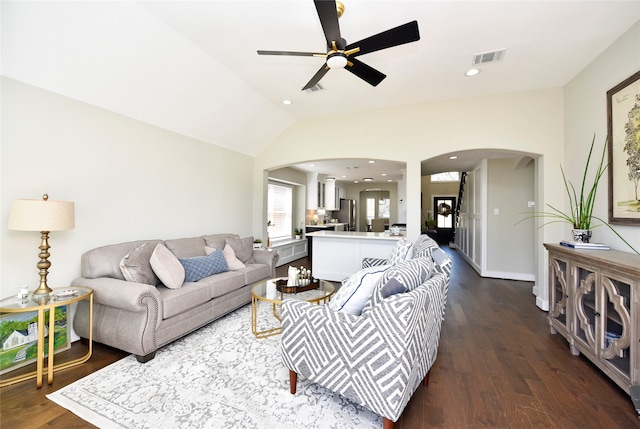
(488, 57)
(316, 87)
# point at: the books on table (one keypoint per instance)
(581, 245)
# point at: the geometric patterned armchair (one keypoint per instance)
(379, 358)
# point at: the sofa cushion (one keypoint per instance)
(254, 272)
(233, 263)
(217, 241)
(167, 267)
(186, 247)
(199, 267)
(243, 248)
(356, 290)
(136, 268)
(223, 283)
(402, 251)
(177, 301)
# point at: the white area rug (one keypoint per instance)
(220, 376)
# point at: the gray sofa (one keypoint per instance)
(140, 318)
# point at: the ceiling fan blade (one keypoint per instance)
(365, 72)
(316, 77)
(400, 35)
(295, 54)
(328, 15)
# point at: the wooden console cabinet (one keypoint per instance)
(594, 303)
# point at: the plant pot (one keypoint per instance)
(297, 237)
(581, 235)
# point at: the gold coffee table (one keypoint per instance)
(266, 291)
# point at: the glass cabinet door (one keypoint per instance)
(616, 316)
(559, 291)
(586, 315)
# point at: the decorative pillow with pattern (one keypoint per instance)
(136, 268)
(167, 267)
(411, 274)
(199, 267)
(229, 255)
(423, 246)
(442, 262)
(402, 251)
(243, 248)
(392, 287)
(356, 290)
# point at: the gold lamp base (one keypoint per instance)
(43, 265)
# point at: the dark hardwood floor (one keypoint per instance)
(498, 367)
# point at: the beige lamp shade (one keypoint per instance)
(41, 215)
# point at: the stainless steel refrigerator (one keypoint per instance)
(347, 214)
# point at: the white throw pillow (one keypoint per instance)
(229, 255)
(167, 267)
(356, 290)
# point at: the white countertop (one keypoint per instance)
(354, 235)
(326, 225)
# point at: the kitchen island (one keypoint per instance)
(337, 255)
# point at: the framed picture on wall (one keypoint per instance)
(19, 335)
(623, 133)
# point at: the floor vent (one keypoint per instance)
(488, 57)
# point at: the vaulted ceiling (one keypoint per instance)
(192, 67)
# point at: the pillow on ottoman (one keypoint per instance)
(136, 268)
(167, 267)
(199, 267)
(243, 248)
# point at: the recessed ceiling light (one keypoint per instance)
(472, 72)
(453, 157)
(355, 181)
(384, 174)
(389, 180)
(367, 179)
(287, 102)
(372, 162)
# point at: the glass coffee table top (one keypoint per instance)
(267, 291)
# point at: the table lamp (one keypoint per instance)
(45, 216)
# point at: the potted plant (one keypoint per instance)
(297, 233)
(257, 243)
(580, 214)
(430, 223)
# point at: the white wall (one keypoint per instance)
(586, 114)
(129, 181)
(509, 187)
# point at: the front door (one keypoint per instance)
(444, 208)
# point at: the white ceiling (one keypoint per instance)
(192, 67)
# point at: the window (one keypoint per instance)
(280, 210)
(450, 176)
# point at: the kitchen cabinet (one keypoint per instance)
(594, 298)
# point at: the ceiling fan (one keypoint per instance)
(341, 55)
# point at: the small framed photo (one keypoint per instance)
(623, 133)
(19, 337)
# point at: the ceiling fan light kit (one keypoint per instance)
(341, 55)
